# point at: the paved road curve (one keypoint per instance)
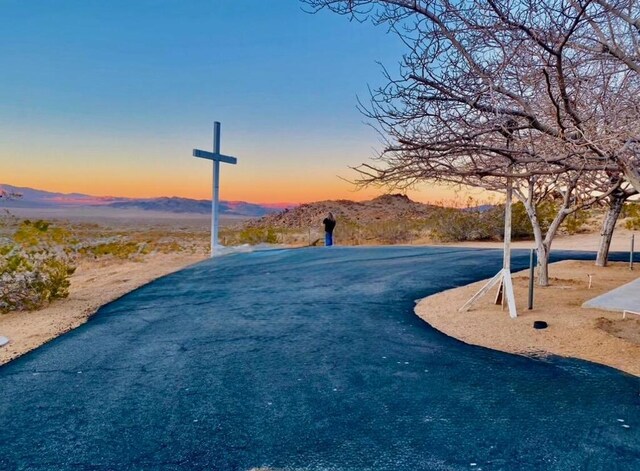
(306, 359)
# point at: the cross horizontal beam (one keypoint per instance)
(203, 154)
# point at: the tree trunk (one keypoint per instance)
(615, 204)
(543, 260)
(542, 252)
(543, 242)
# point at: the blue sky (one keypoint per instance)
(109, 97)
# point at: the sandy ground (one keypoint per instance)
(93, 285)
(573, 331)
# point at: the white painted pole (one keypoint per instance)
(503, 276)
(216, 189)
(506, 262)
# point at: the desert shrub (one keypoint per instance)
(633, 224)
(228, 236)
(575, 222)
(349, 232)
(38, 233)
(168, 247)
(258, 235)
(455, 225)
(487, 222)
(396, 231)
(520, 223)
(631, 212)
(35, 266)
(118, 248)
(631, 209)
(546, 211)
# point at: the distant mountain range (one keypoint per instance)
(185, 205)
(33, 198)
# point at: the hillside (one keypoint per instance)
(382, 209)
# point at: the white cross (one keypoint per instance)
(217, 157)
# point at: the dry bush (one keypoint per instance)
(631, 212)
(35, 266)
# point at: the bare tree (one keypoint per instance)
(536, 177)
(612, 37)
(481, 99)
(593, 71)
(584, 52)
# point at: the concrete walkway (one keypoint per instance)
(624, 298)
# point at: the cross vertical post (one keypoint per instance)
(216, 157)
(215, 200)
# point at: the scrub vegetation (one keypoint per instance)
(250, 235)
(631, 214)
(37, 258)
(35, 266)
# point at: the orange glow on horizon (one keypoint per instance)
(248, 193)
(291, 190)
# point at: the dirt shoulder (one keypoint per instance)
(93, 285)
(589, 334)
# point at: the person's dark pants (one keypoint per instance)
(328, 239)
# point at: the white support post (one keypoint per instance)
(508, 293)
(490, 284)
(503, 276)
(506, 258)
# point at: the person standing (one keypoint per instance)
(329, 224)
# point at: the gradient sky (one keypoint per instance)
(110, 97)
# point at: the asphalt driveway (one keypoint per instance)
(307, 359)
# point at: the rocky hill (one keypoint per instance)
(383, 208)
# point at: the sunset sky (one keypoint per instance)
(110, 97)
